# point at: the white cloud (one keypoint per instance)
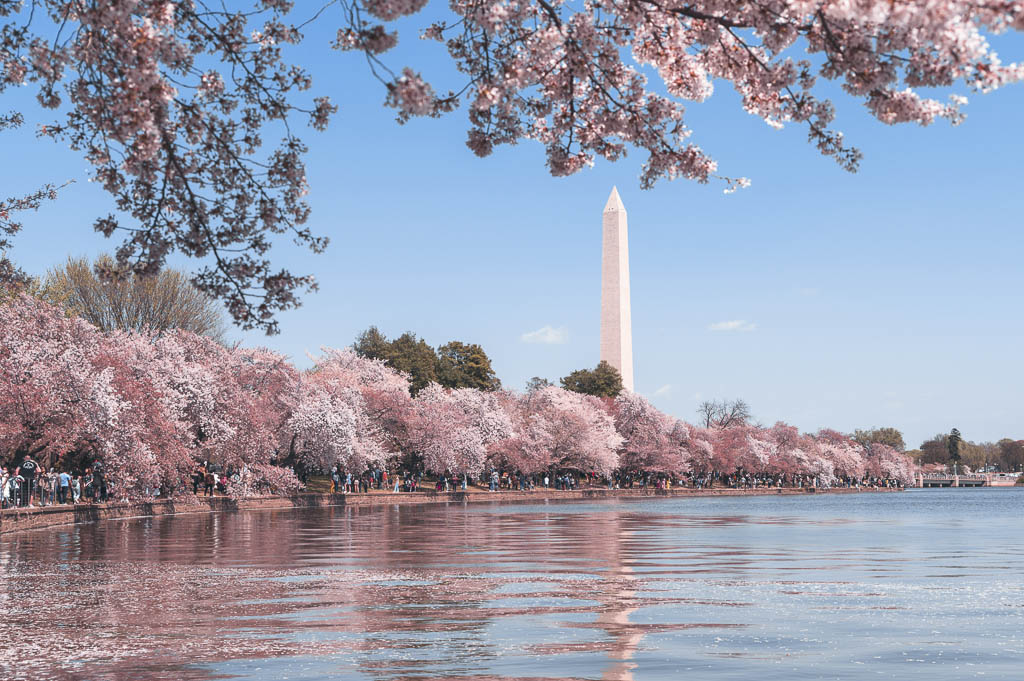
(548, 335)
(734, 325)
(664, 390)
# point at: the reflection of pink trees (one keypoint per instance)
(148, 407)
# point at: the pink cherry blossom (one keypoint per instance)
(454, 429)
(150, 408)
(653, 440)
(170, 102)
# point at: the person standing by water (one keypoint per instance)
(99, 485)
(43, 487)
(209, 482)
(198, 478)
(53, 480)
(27, 470)
(63, 487)
(5, 494)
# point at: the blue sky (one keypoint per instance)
(889, 297)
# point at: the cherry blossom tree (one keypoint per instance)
(567, 430)
(331, 425)
(149, 407)
(652, 441)
(845, 455)
(266, 478)
(884, 461)
(730, 445)
(349, 410)
(761, 454)
(149, 447)
(455, 428)
(274, 385)
(214, 409)
(793, 452)
(52, 398)
(699, 445)
(236, 400)
(509, 453)
(385, 391)
(170, 101)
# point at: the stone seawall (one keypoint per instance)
(18, 519)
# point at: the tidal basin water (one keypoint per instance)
(928, 584)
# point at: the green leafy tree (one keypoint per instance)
(412, 355)
(372, 344)
(465, 365)
(883, 436)
(406, 353)
(454, 365)
(602, 381)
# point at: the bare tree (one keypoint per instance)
(724, 413)
(156, 303)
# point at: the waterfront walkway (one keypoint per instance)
(19, 519)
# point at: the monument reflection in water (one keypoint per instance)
(921, 585)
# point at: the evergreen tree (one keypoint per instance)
(465, 365)
(372, 344)
(412, 355)
(406, 353)
(602, 381)
(953, 444)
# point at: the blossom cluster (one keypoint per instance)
(149, 407)
(172, 102)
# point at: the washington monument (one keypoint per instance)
(616, 325)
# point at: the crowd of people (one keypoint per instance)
(29, 484)
(496, 480)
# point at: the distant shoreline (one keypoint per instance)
(14, 520)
